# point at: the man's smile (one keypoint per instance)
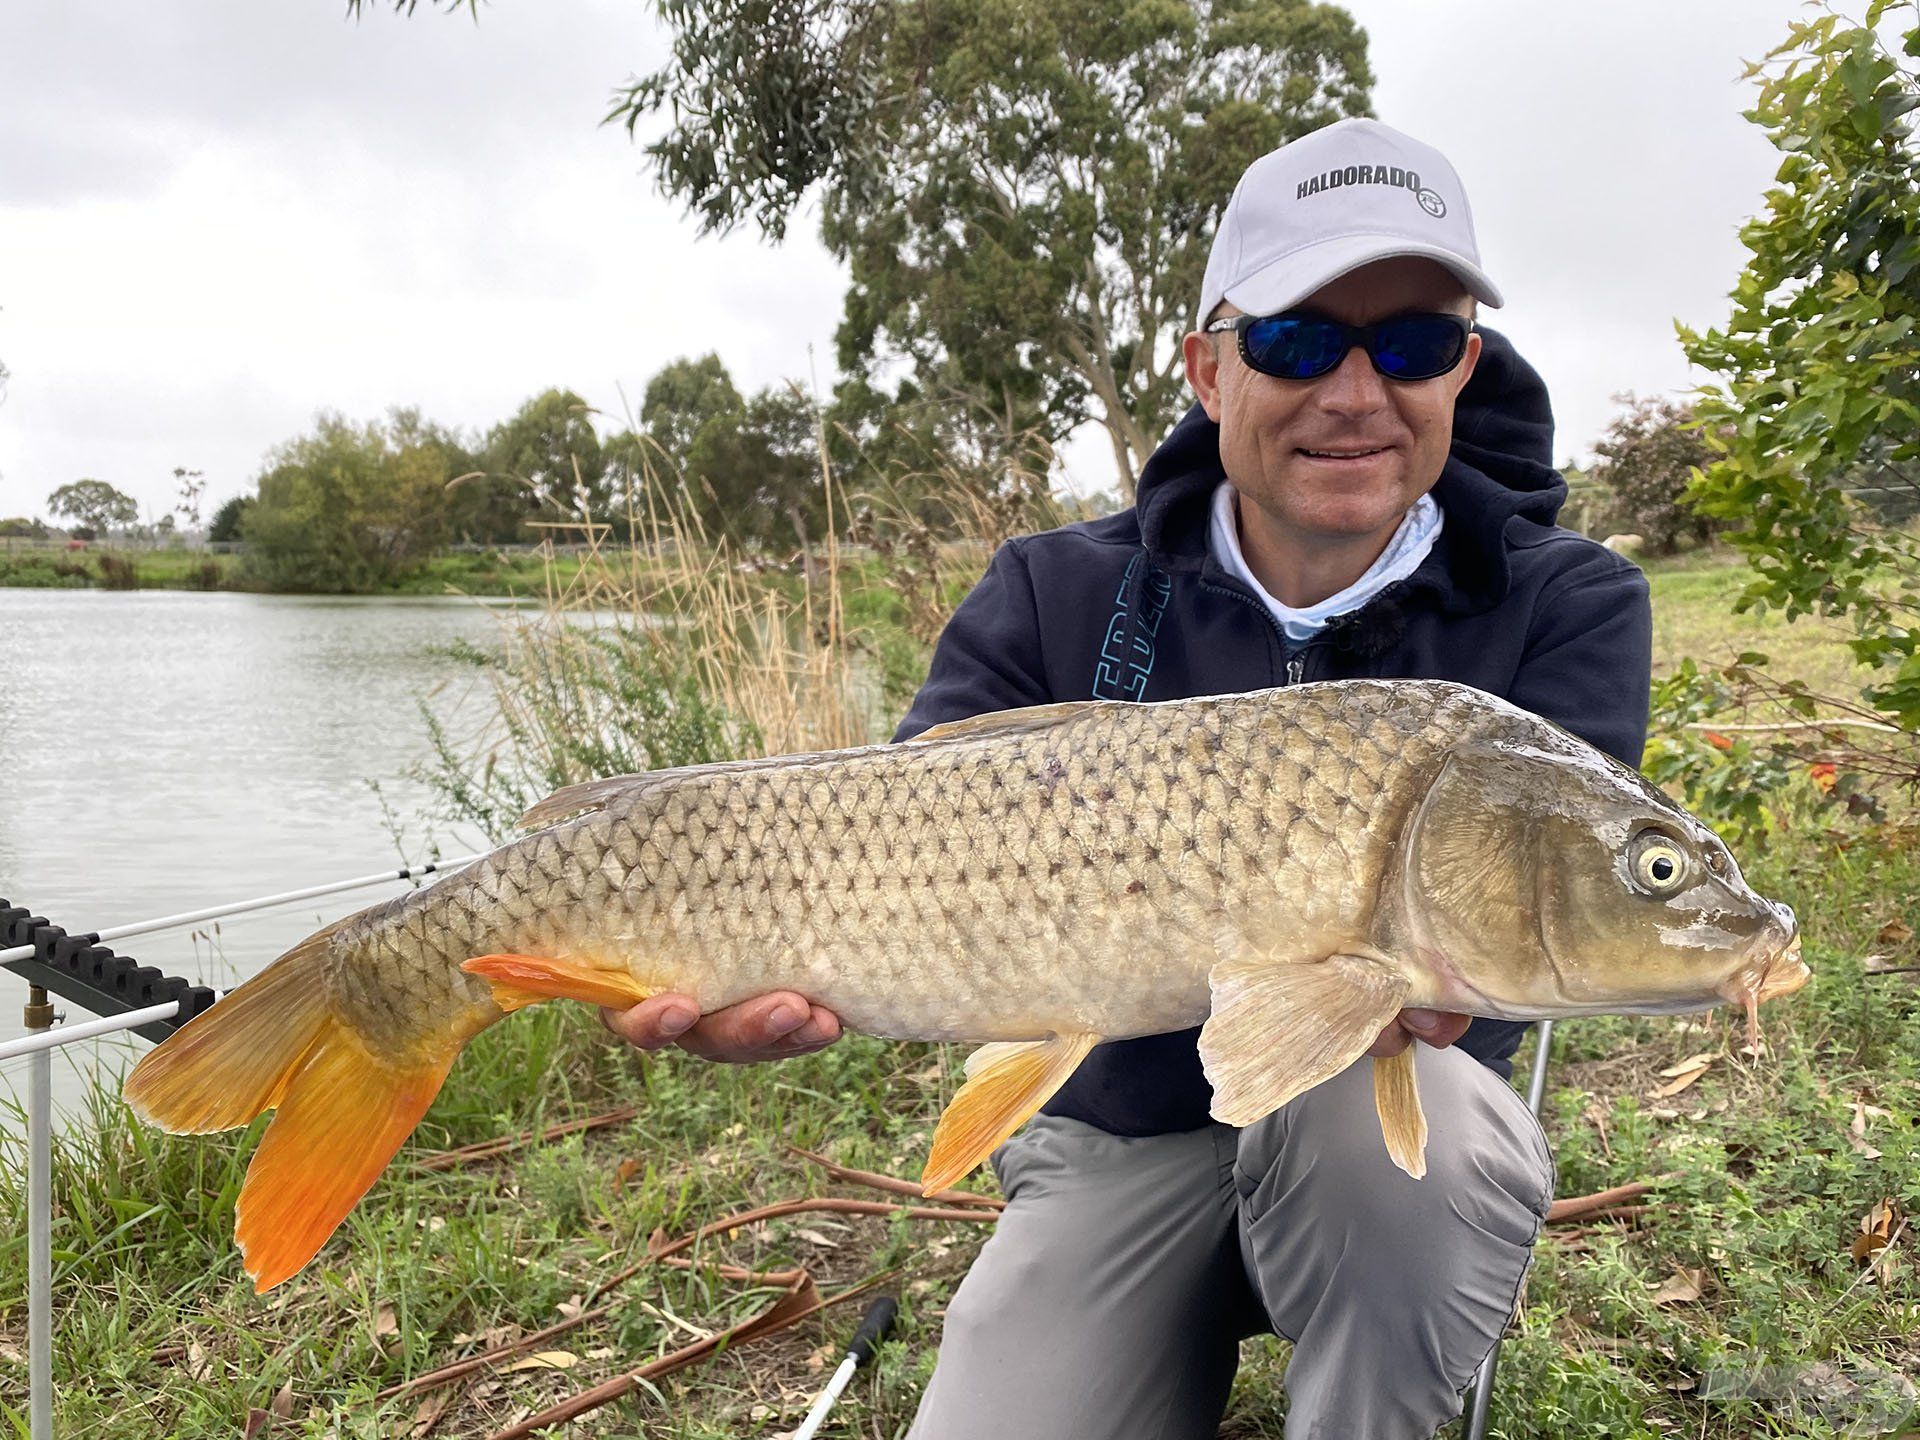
(1344, 455)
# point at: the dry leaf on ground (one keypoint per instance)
(1872, 1245)
(1685, 1073)
(546, 1360)
(1683, 1287)
(429, 1411)
(1692, 1062)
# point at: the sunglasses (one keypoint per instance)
(1300, 345)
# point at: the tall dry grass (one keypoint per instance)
(683, 647)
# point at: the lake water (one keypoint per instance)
(162, 751)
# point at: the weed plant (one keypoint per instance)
(680, 651)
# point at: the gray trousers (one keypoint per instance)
(1110, 1301)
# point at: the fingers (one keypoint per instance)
(1391, 1040)
(654, 1022)
(767, 1027)
(1439, 1028)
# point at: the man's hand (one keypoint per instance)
(767, 1027)
(1439, 1028)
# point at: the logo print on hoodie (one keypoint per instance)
(1127, 648)
(1391, 175)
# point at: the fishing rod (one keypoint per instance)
(262, 902)
(83, 969)
(873, 1329)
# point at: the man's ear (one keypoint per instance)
(1463, 372)
(1202, 355)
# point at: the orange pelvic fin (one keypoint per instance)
(344, 1115)
(522, 980)
(1006, 1084)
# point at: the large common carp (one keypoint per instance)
(1290, 866)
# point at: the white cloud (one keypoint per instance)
(215, 221)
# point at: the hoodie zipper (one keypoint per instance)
(1294, 671)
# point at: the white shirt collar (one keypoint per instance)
(1411, 544)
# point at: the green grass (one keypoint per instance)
(106, 567)
(160, 1334)
(1693, 616)
(492, 574)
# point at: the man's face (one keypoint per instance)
(1340, 457)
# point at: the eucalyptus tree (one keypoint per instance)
(1023, 191)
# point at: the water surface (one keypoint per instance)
(165, 750)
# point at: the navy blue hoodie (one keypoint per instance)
(1135, 607)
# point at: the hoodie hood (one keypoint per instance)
(1500, 466)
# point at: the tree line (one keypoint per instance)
(353, 505)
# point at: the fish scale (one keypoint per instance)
(892, 882)
(1290, 866)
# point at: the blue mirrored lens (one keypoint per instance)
(1416, 347)
(1295, 347)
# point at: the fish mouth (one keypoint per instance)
(1784, 974)
(1768, 976)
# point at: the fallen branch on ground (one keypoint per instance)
(894, 1185)
(798, 1303)
(507, 1144)
(1576, 1207)
(664, 1255)
(1761, 727)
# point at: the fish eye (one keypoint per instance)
(1656, 863)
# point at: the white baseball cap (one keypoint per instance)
(1341, 197)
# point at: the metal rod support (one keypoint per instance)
(39, 1017)
(214, 912)
(86, 1030)
(1480, 1399)
(1537, 1084)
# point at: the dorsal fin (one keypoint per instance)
(1010, 722)
(577, 799)
(598, 794)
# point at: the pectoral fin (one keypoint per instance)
(1279, 1028)
(1396, 1094)
(1006, 1084)
(522, 980)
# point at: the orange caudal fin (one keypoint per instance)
(342, 1118)
(343, 1111)
(522, 980)
(226, 1066)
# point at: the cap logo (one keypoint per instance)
(1390, 175)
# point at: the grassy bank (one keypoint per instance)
(1742, 1260)
(489, 574)
(110, 569)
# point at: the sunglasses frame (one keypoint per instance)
(1362, 336)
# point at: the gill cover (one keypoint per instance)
(1554, 876)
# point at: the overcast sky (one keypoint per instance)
(218, 218)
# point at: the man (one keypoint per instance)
(1364, 489)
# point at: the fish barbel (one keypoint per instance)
(1288, 868)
